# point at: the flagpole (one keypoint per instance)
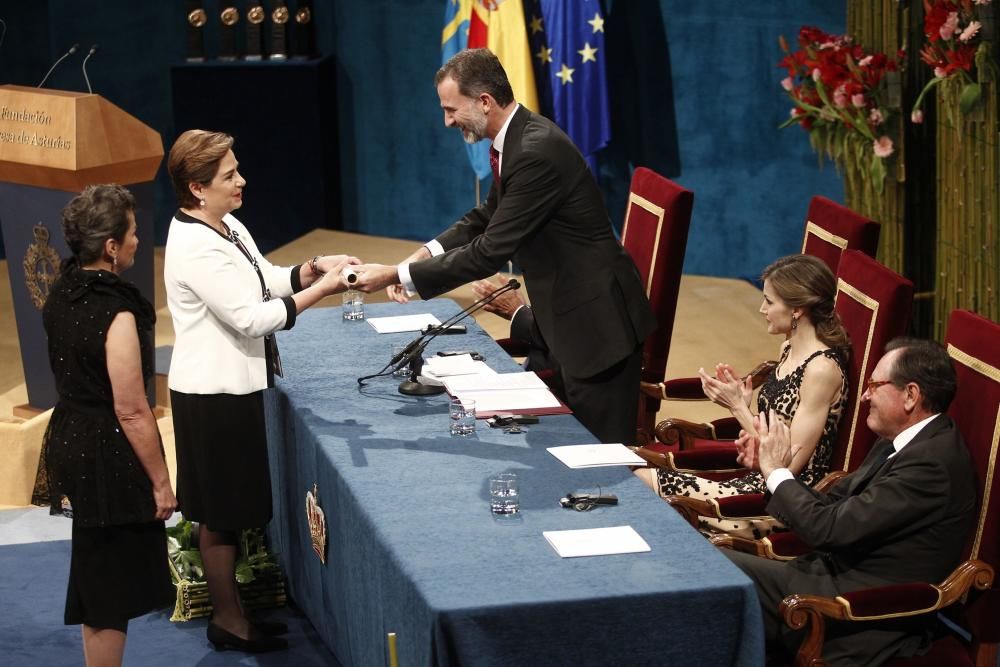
(476, 176)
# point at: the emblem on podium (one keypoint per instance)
(41, 266)
(317, 523)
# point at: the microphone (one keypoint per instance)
(83, 67)
(411, 354)
(64, 56)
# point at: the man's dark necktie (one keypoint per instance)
(495, 164)
(878, 461)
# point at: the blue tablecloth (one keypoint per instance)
(413, 548)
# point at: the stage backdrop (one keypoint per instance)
(403, 174)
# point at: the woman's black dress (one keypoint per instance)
(119, 556)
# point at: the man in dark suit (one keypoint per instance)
(545, 212)
(903, 516)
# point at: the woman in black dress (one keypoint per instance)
(226, 301)
(102, 452)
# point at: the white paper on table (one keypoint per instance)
(458, 364)
(596, 541)
(593, 456)
(508, 401)
(400, 323)
(496, 382)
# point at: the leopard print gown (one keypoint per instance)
(781, 395)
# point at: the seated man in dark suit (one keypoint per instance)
(512, 306)
(903, 516)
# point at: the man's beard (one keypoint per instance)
(475, 130)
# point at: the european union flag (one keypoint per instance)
(454, 38)
(567, 45)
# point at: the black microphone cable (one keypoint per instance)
(83, 67)
(64, 56)
(418, 344)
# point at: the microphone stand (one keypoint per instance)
(66, 55)
(412, 354)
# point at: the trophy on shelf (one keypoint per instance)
(279, 31)
(255, 43)
(196, 20)
(304, 31)
(229, 17)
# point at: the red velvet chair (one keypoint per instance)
(831, 229)
(655, 233)
(968, 595)
(874, 305)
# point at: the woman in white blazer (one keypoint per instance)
(226, 301)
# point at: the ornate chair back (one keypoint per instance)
(831, 229)
(655, 232)
(874, 306)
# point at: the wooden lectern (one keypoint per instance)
(53, 144)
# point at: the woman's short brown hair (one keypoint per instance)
(195, 158)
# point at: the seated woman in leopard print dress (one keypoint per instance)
(807, 389)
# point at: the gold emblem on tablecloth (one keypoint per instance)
(280, 15)
(41, 266)
(317, 523)
(255, 14)
(303, 16)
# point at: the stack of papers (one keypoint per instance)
(400, 323)
(593, 456)
(458, 364)
(596, 541)
(504, 392)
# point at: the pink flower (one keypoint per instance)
(875, 117)
(882, 146)
(970, 31)
(950, 26)
(817, 74)
(981, 2)
(864, 62)
(917, 117)
(858, 100)
(840, 97)
(940, 72)
(786, 83)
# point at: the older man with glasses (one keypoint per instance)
(903, 516)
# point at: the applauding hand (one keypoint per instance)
(776, 449)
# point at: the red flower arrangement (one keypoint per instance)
(953, 46)
(838, 95)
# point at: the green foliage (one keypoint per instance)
(253, 560)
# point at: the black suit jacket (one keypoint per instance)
(901, 520)
(547, 214)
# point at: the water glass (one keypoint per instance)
(505, 498)
(462, 412)
(354, 305)
(404, 370)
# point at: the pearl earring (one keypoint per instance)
(114, 262)
(201, 202)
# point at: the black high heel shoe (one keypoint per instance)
(223, 640)
(270, 628)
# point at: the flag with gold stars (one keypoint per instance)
(567, 45)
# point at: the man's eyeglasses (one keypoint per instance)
(872, 385)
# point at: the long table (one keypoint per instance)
(413, 548)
